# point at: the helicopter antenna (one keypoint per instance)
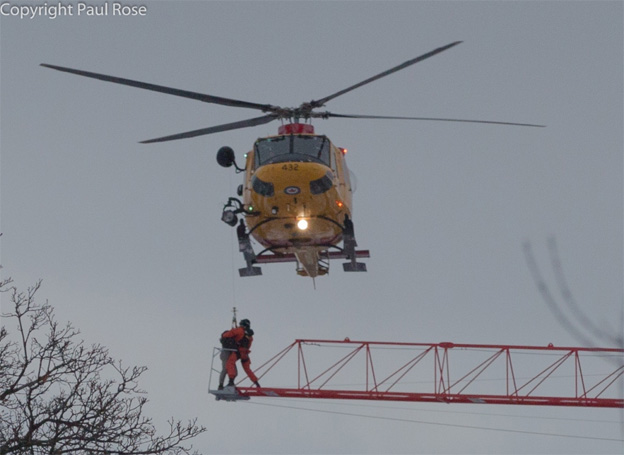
(234, 324)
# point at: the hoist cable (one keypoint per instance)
(233, 245)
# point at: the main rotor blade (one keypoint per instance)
(159, 88)
(322, 101)
(435, 119)
(216, 129)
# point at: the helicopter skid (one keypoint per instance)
(244, 245)
(354, 266)
(250, 271)
(269, 258)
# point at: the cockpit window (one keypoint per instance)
(271, 149)
(292, 148)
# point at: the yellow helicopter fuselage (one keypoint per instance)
(297, 193)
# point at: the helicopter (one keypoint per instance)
(297, 192)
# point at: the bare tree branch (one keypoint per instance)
(588, 330)
(567, 296)
(59, 396)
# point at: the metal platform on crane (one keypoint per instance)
(229, 393)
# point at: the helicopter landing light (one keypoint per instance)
(302, 224)
(339, 204)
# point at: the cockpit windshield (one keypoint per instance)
(292, 148)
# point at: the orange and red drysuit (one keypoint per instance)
(230, 356)
(244, 348)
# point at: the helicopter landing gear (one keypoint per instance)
(244, 246)
(348, 240)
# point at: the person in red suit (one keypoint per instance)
(244, 348)
(236, 344)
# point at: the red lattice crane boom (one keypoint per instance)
(440, 372)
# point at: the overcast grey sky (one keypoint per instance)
(128, 238)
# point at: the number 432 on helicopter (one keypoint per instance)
(297, 195)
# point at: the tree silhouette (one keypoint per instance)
(571, 315)
(60, 396)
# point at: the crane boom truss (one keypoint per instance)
(444, 372)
